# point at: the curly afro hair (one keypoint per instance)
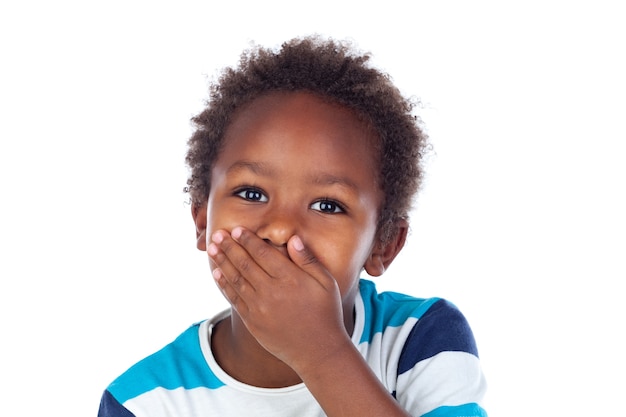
(333, 71)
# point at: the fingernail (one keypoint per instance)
(236, 233)
(212, 249)
(217, 274)
(297, 244)
(217, 237)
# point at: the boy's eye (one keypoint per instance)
(252, 194)
(327, 206)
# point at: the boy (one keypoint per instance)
(303, 168)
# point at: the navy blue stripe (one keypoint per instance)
(442, 328)
(110, 407)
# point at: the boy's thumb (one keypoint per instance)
(301, 256)
(308, 262)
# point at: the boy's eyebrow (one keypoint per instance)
(330, 179)
(258, 168)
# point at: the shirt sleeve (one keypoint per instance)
(110, 407)
(439, 372)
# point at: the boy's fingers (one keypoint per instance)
(276, 264)
(229, 291)
(266, 256)
(234, 262)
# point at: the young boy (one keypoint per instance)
(303, 169)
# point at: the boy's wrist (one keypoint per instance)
(332, 357)
(342, 382)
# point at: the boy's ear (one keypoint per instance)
(384, 252)
(199, 218)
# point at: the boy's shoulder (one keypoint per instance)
(394, 307)
(174, 366)
(381, 310)
(428, 325)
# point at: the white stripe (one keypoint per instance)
(448, 378)
(221, 402)
(383, 353)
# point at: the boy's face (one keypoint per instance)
(292, 164)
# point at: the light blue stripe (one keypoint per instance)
(465, 410)
(180, 364)
(389, 309)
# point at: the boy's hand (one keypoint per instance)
(291, 305)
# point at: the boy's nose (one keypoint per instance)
(277, 228)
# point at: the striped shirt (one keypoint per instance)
(422, 350)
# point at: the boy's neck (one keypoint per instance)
(240, 355)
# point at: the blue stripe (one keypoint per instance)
(442, 328)
(180, 364)
(388, 309)
(465, 410)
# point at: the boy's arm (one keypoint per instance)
(344, 385)
(293, 308)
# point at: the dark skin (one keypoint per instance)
(290, 223)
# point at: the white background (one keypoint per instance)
(520, 223)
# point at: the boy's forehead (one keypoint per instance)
(308, 110)
(324, 137)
